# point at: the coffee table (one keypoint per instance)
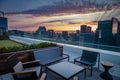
(66, 70)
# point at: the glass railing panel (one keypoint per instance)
(74, 49)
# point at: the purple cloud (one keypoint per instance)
(77, 6)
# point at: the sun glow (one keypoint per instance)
(66, 22)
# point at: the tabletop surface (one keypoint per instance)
(107, 63)
(66, 69)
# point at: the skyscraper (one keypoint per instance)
(3, 23)
(50, 33)
(106, 31)
(88, 29)
(119, 28)
(41, 28)
(65, 34)
(41, 32)
(83, 28)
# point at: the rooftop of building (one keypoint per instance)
(75, 51)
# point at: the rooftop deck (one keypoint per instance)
(96, 73)
(75, 51)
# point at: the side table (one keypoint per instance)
(106, 75)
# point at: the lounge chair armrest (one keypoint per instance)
(77, 58)
(66, 55)
(22, 72)
(31, 63)
(24, 75)
(43, 76)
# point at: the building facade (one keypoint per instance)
(106, 31)
(3, 25)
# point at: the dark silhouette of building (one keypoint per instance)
(41, 28)
(87, 37)
(51, 33)
(65, 34)
(3, 24)
(119, 27)
(73, 37)
(106, 31)
(77, 31)
(41, 32)
(117, 36)
(88, 29)
(83, 28)
(77, 35)
(16, 32)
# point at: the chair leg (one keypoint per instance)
(74, 61)
(85, 74)
(98, 61)
(91, 70)
(68, 59)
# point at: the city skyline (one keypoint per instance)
(59, 15)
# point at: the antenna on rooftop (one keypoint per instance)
(2, 14)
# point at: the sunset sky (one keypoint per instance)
(60, 15)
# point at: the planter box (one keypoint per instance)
(24, 56)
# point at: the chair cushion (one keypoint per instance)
(87, 62)
(18, 67)
(37, 69)
(47, 54)
(51, 61)
(7, 76)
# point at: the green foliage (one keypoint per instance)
(45, 44)
(4, 36)
(9, 43)
(26, 47)
(33, 46)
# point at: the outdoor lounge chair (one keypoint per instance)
(49, 56)
(24, 71)
(89, 58)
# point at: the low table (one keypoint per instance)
(66, 70)
(106, 75)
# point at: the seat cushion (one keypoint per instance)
(87, 63)
(37, 69)
(18, 67)
(47, 54)
(51, 60)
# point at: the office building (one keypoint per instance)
(87, 37)
(88, 29)
(51, 33)
(65, 35)
(41, 32)
(3, 24)
(106, 31)
(83, 28)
